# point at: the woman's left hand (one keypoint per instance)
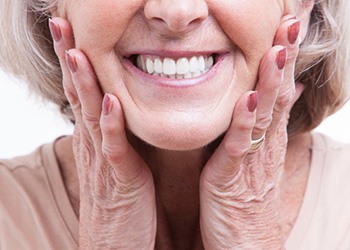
(240, 190)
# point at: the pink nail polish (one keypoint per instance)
(281, 58)
(55, 31)
(71, 62)
(106, 105)
(252, 101)
(293, 32)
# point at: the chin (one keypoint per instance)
(181, 137)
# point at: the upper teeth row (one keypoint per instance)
(182, 68)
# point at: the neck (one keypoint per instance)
(176, 179)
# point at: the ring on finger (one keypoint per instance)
(256, 144)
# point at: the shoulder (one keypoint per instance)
(324, 220)
(23, 177)
(17, 171)
(332, 151)
(28, 162)
(331, 162)
(329, 182)
(19, 176)
(34, 205)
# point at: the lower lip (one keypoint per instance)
(175, 83)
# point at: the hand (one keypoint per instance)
(117, 196)
(240, 191)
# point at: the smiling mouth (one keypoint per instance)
(172, 68)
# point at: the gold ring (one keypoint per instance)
(256, 144)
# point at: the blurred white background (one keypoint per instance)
(26, 123)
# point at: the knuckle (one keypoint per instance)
(244, 126)
(235, 151)
(84, 85)
(92, 122)
(115, 154)
(263, 123)
(75, 104)
(83, 146)
(108, 129)
(86, 154)
(285, 98)
(70, 92)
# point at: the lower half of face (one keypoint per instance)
(177, 92)
(179, 111)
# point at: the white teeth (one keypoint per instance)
(158, 66)
(197, 73)
(209, 62)
(188, 75)
(149, 66)
(183, 68)
(169, 66)
(201, 63)
(193, 64)
(179, 76)
(141, 63)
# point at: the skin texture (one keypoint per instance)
(205, 111)
(174, 193)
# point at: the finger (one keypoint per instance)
(288, 36)
(299, 89)
(282, 118)
(128, 165)
(223, 166)
(62, 36)
(89, 93)
(270, 79)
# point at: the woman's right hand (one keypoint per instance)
(117, 196)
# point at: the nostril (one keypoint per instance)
(182, 16)
(195, 21)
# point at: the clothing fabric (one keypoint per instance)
(323, 222)
(35, 211)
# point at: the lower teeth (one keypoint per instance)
(181, 76)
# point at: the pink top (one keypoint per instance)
(35, 211)
(324, 218)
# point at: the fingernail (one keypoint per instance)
(72, 63)
(106, 105)
(293, 32)
(55, 31)
(281, 58)
(252, 101)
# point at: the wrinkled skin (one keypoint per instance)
(239, 192)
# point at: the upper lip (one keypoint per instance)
(175, 54)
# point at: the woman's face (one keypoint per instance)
(137, 47)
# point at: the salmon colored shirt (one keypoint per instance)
(35, 211)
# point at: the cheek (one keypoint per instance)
(251, 25)
(98, 25)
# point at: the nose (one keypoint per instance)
(175, 15)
